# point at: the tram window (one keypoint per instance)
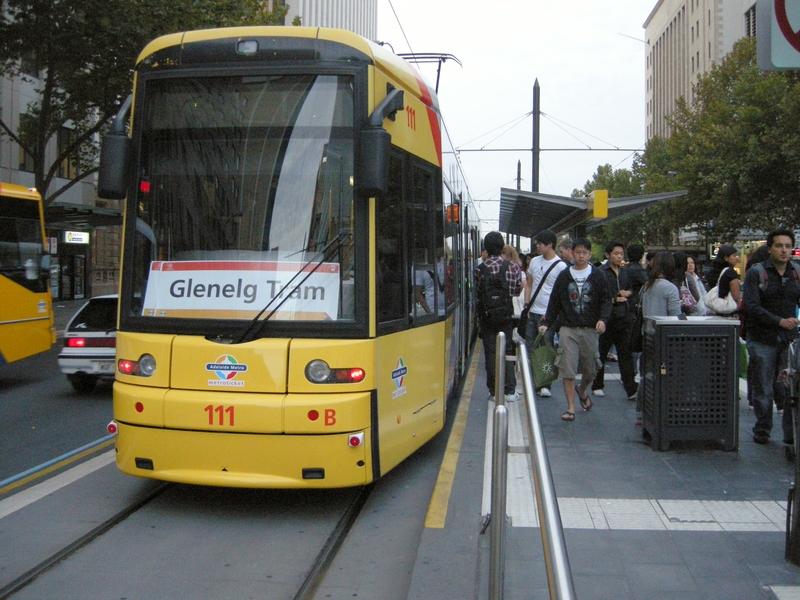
(390, 283)
(427, 305)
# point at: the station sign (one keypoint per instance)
(778, 34)
(76, 237)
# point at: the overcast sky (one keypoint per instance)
(592, 80)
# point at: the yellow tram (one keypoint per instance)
(294, 304)
(26, 311)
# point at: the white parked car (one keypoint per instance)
(90, 344)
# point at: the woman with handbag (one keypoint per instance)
(687, 287)
(693, 275)
(659, 298)
(725, 279)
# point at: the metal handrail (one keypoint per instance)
(559, 573)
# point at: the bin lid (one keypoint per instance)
(710, 320)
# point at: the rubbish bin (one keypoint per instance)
(691, 387)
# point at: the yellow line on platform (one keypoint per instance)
(56, 467)
(437, 509)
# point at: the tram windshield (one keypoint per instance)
(245, 199)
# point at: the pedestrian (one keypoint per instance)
(648, 262)
(565, 250)
(771, 298)
(497, 273)
(724, 276)
(542, 275)
(692, 273)
(581, 302)
(618, 330)
(759, 255)
(637, 278)
(659, 298)
(687, 287)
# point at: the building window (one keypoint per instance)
(25, 158)
(693, 64)
(68, 167)
(750, 22)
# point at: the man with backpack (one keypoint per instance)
(771, 298)
(496, 281)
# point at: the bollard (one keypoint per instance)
(500, 369)
(498, 508)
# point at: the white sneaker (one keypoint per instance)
(545, 392)
(512, 397)
(637, 378)
(598, 393)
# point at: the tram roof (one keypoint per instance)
(527, 213)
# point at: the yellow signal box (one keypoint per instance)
(598, 204)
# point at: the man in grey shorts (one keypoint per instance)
(581, 300)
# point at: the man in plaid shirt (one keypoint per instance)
(493, 244)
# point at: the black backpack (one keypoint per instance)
(496, 307)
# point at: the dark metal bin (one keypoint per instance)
(691, 380)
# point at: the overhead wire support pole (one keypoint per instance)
(537, 114)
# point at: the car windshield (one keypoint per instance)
(99, 314)
(245, 199)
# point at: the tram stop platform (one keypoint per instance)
(694, 522)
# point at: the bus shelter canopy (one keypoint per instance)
(526, 213)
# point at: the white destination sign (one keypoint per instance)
(240, 289)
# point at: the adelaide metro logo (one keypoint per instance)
(399, 376)
(226, 368)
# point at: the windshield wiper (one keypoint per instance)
(253, 328)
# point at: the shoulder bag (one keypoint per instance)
(523, 316)
(721, 306)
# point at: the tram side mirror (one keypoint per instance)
(115, 156)
(115, 153)
(373, 166)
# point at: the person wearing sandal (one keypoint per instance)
(581, 300)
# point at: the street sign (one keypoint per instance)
(778, 34)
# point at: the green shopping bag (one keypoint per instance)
(543, 358)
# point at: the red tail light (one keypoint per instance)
(90, 342)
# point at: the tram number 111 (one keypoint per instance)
(220, 411)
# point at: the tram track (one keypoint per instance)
(63, 554)
(332, 545)
(182, 504)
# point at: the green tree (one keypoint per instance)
(79, 56)
(735, 148)
(620, 183)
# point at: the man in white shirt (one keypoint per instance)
(546, 266)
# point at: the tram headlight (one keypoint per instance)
(318, 371)
(147, 365)
(144, 367)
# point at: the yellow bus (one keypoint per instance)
(294, 306)
(26, 311)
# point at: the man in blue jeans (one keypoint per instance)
(771, 297)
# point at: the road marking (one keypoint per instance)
(39, 491)
(55, 464)
(437, 509)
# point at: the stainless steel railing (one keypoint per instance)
(559, 574)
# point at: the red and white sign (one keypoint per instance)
(241, 289)
(778, 34)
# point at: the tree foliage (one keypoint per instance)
(79, 57)
(736, 149)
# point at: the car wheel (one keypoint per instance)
(83, 383)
